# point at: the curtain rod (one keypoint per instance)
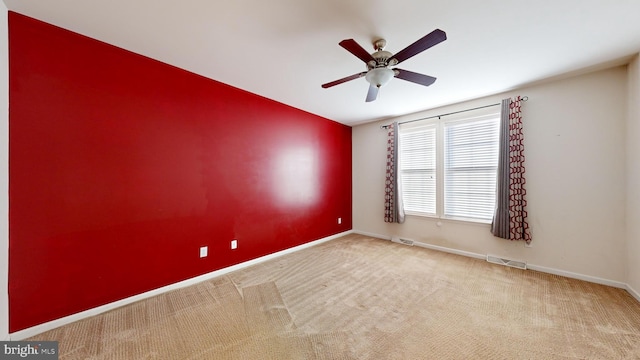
(524, 98)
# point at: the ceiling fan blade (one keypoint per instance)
(373, 93)
(340, 81)
(433, 38)
(353, 47)
(414, 77)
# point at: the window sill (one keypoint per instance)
(450, 218)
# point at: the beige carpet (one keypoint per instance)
(362, 298)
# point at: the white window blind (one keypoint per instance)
(471, 161)
(418, 169)
(448, 168)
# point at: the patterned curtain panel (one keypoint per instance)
(393, 207)
(510, 217)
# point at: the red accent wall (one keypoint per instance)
(121, 167)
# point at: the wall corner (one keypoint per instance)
(632, 211)
(4, 173)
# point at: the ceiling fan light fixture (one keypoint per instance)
(379, 76)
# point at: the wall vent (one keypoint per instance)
(507, 262)
(398, 240)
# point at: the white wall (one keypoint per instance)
(575, 161)
(633, 178)
(4, 173)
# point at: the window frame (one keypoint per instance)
(439, 125)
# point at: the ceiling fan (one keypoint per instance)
(379, 63)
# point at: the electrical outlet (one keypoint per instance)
(204, 250)
(339, 221)
(234, 244)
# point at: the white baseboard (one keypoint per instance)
(377, 236)
(572, 275)
(633, 292)
(568, 274)
(38, 329)
(426, 246)
(451, 251)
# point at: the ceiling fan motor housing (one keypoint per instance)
(382, 58)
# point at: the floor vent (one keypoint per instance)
(507, 262)
(402, 241)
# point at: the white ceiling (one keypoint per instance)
(285, 49)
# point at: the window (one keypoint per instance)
(418, 169)
(448, 168)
